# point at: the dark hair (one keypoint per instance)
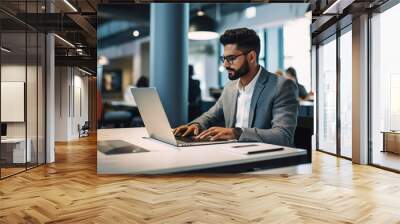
(245, 39)
(292, 72)
(143, 81)
(191, 70)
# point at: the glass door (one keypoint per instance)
(346, 93)
(326, 96)
(385, 89)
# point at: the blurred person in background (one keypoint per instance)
(292, 75)
(194, 95)
(143, 81)
(280, 73)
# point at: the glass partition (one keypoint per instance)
(31, 97)
(22, 87)
(14, 153)
(41, 97)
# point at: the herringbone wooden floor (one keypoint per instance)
(70, 191)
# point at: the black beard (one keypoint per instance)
(240, 72)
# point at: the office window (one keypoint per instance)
(346, 93)
(298, 55)
(203, 55)
(223, 77)
(385, 88)
(261, 58)
(327, 96)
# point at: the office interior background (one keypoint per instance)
(354, 78)
(47, 81)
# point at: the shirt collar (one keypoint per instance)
(251, 84)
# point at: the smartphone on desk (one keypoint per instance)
(114, 147)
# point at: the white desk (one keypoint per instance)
(163, 158)
(18, 151)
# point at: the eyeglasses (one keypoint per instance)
(231, 58)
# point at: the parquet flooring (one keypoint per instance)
(10, 171)
(70, 191)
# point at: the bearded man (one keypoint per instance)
(255, 105)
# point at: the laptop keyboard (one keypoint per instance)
(191, 139)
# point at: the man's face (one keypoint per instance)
(237, 67)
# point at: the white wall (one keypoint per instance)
(79, 117)
(12, 73)
(33, 126)
(71, 87)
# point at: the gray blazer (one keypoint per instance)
(273, 110)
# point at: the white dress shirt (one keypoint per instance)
(245, 94)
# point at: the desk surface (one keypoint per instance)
(14, 140)
(163, 158)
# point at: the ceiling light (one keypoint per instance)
(337, 7)
(221, 69)
(202, 28)
(65, 41)
(79, 50)
(84, 71)
(103, 60)
(70, 5)
(203, 35)
(136, 33)
(200, 13)
(5, 50)
(250, 12)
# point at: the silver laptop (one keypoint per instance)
(156, 121)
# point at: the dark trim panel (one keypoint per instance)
(331, 30)
(385, 6)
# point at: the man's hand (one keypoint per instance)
(186, 130)
(218, 133)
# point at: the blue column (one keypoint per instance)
(280, 50)
(169, 58)
(274, 45)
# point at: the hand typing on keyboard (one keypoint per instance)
(187, 130)
(218, 133)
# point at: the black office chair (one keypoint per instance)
(303, 135)
(84, 130)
